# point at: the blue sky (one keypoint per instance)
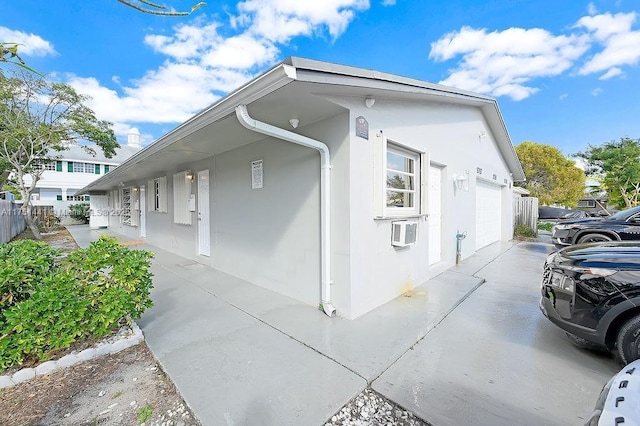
(565, 73)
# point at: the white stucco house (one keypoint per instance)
(337, 186)
(74, 169)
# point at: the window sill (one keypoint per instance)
(402, 217)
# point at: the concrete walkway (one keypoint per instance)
(240, 354)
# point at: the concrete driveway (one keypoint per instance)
(495, 360)
(456, 352)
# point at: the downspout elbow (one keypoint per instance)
(244, 118)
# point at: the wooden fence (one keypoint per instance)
(525, 211)
(11, 221)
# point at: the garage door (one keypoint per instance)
(488, 214)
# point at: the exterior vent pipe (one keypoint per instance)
(325, 193)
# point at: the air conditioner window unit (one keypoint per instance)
(403, 233)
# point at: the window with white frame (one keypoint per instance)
(181, 193)
(400, 180)
(84, 168)
(44, 165)
(157, 195)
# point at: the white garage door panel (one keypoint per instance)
(488, 214)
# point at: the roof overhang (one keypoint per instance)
(281, 93)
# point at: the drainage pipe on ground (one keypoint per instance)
(325, 193)
(459, 238)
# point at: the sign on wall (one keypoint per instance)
(362, 127)
(257, 174)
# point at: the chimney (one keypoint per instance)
(133, 138)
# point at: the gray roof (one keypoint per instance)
(282, 92)
(78, 153)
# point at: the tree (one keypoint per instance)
(551, 177)
(157, 9)
(9, 54)
(617, 165)
(39, 119)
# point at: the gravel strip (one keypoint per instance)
(371, 409)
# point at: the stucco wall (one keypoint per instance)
(450, 136)
(271, 236)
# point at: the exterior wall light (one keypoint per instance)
(368, 102)
(461, 181)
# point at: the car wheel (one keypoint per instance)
(628, 341)
(593, 238)
(583, 343)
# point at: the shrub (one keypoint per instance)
(79, 212)
(545, 226)
(524, 231)
(49, 223)
(23, 265)
(87, 296)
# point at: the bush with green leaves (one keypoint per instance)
(23, 265)
(87, 295)
(546, 226)
(523, 231)
(79, 212)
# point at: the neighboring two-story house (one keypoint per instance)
(74, 169)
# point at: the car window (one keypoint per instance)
(624, 214)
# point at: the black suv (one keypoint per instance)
(592, 291)
(624, 225)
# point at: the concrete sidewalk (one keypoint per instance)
(241, 354)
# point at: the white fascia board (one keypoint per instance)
(501, 134)
(272, 80)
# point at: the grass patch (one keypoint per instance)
(145, 413)
(545, 226)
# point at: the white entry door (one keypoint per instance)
(488, 214)
(99, 208)
(204, 225)
(143, 212)
(435, 214)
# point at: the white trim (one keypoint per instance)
(382, 146)
(181, 192)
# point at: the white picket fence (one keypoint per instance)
(525, 212)
(11, 221)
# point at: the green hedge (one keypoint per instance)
(86, 295)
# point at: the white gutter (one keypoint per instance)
(325, 193)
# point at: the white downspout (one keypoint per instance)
(325, 193)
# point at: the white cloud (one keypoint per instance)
(505, 63)
(502, 63)
(204, 61)
(29, 44)
(613, 72)
(280, 20)
(596, 91)
(563, 96)
(388, 2)
(621, 44)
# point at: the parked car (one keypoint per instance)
(619, 400)
(621, 226)
(546, 212)
(592, 291)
